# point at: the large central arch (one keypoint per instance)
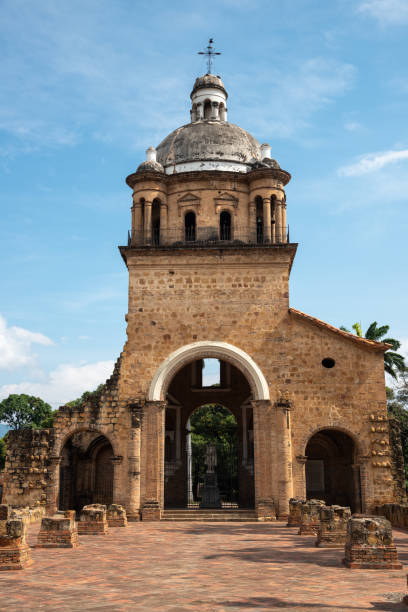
(200, 350)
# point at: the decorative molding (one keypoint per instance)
(226, 201)
(189, 200)
(199, 350)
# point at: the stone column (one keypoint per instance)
(137, 227)
(252, 222)
(285, 453)
(200, 111)
(116, 463)
(133, 505)
(278, 221)
(153, 431)
(267, 219)
(52, 485)
(147, 223)
(263, 464)
(302, 459)
(190, 496)
(214, 110)
(284, 231)
(163, 223)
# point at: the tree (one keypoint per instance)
(397, 404)
(24, 411)
(86, 396)
(394, 363)
(3, 450)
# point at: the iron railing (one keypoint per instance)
(208, 236)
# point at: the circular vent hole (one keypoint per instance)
(328, 362)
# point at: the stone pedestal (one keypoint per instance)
(58, 531)
(210, 496)
(310, 517)
(151, 511)
(265, 510)
(92, 520)
(116, 516)
(295, 512)
(14, 550)
(5, 515)
(333, 526)
(369, 544)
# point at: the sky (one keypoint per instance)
(88, 85)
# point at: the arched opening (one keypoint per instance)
(223, 113)
(86, 471)
(207, 109)
(190, 227)
(225, 225)
(208, 406)
(259, 220)
(329, 469)
(215, 426)
(156, 221)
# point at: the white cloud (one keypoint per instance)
(373, 162)
(352, 126)
(387, 12)
(16, 346)
(65, 383)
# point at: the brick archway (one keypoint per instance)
(200, 350)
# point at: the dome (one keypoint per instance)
(209, 81)
(209, 141)
(149, 166)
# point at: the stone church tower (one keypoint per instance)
(209, 258)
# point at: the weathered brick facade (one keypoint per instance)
(309, 399)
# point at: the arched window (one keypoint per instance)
(225, 225)
(207, 109)
(190, 227)
(259, 220)
(156, 222)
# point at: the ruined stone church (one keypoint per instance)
(209, 258)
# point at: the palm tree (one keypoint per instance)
(394, 363)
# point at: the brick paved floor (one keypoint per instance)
(176, 567)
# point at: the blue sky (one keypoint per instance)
(88, 85)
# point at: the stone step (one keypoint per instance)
(209, 515)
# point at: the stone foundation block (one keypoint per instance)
(265, 510)
(295, 512)
(333, 526)
(369, 544)
(58, 531)
(116, 516)
(151, 511)
(14, 550)
(310, 517)
(92, 520)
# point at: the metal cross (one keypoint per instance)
(210, 54)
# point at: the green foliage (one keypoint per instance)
(394, 363)
(86, 396)
(48, 422)
(3, 450)
(397, 403)
(217, 425)
(24, 411)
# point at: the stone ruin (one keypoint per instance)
(333, 526)
(151, 511)
(92, 520)
(116, 516)
(369, 544)
(58, 531)
(310, 516)
(295, 512)
(14, 550)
